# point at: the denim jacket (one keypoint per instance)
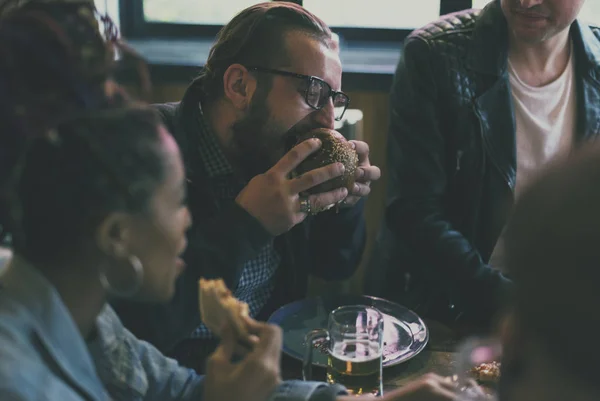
(44, 357)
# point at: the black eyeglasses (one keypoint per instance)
(316, 93)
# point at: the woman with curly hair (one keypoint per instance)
(92, 193)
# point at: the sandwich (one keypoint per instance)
(335, 149)
(219, 308)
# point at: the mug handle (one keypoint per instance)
(310, 340)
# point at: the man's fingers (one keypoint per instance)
(362, 149)
(360, 190)
(321, 201)
(316, 177)
(295, 156)
(350, 201)
(368, 173)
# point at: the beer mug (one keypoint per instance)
(353, 341)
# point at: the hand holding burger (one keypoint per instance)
(354, 155)
(274, 198)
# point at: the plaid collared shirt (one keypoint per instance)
(257, 280)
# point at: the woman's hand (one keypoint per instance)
(253, 378)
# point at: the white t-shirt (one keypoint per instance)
(546, 119)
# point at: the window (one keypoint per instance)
(110, 7)
(193, 11)
(374, 13)
(590, 12)
(480, 3)
(353, 19)
(336, 13)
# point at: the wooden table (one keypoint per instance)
(438, 357)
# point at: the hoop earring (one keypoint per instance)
(138, 269)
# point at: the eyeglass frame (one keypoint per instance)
(307, 78)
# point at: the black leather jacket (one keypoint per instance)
(452, 160)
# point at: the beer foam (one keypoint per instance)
(356, 351)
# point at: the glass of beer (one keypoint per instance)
(354, 343)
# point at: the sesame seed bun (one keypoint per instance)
(335, 149)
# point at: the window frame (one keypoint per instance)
(133, 25)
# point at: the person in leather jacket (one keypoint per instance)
(481, 100)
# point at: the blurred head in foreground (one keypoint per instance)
(551, 350)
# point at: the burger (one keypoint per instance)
(335, 149)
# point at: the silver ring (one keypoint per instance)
(305, 206)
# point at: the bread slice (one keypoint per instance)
(218, 307)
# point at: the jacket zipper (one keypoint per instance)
(459, 155)
(506, 179)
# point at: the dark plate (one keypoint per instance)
(405, 333)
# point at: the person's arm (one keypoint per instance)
(130, 368)
(419, 181)
(297, 390)
(257, 377)
(336, 242)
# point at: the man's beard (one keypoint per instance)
(254, 141)
(258, 142)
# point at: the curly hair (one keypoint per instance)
(73, 147)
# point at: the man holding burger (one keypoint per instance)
(272, 77)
